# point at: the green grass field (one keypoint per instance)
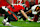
(20, 23)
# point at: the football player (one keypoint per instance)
(10, 10)
(35, 10)
(2, 11)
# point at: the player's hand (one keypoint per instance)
(31, 20)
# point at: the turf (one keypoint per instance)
(20, 23)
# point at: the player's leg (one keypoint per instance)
(36, 18)
(39, 17)
(3, 12)
(8, 22)
(14, 17)
(5, 18)
(11, 17)
(6, 12)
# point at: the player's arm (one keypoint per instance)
(30, 11)
(25, 15)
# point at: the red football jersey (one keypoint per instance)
(10, 7)
(3, 3)
(16, 8)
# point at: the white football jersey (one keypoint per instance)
(33, 9)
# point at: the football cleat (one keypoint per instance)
(7, 24)
(38, 21)
(4, 21)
